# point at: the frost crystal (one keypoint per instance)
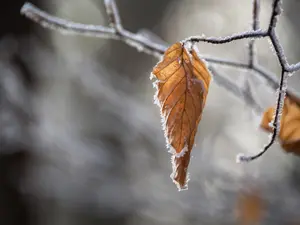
(152, 76)
(271, 125)
(182, 152)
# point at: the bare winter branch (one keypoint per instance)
(234, 37)
(225, 62)
(276, 10)
(68, 27)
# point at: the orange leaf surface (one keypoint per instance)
(182, 86)
(289, 127)
(250, 208)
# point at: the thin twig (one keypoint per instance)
(255, 26)
(225, 62)
(68, 27)
(248, 96)
(237, 91)
(228, 39)
(276, 10)
(117, 32)
(276, 121)
(113, 15)
(65, 26)
(255, 14)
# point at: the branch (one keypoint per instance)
(135, 40)
(65, 26)
(113, 15)
(243, 93)
(255, 26)
(223, 40)
(68, 27)
(276, 10)
(276, 121)
(142, 44)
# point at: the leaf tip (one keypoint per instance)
(180, 186)
(179, 175)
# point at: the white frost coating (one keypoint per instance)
(152, 76)
(270, 136)
(64, 26)
(108, 6)
(174, 174)
(162, 118)
(155, 83)
(135, 44)
(281, 104)
(113, 14)
(188, 47)
(271, 125)
(171, 149)
(155, 97)
(182, 152)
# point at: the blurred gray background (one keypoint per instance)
(81, 140)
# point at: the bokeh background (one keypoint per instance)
(81, 140)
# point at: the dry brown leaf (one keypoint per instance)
(182, 86)
(289, 127)
(250, 208)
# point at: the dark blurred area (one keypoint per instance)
(14, 156)
(81, 142)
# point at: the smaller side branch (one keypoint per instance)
(279, 50)
(65, 26)
(113, 15)
(293, 67)
(276, 11)
(225, 62)
(222, 40)
(68, 27)
(276, 121)
(239, 92)
(255, 26)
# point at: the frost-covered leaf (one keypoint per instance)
(289, 127)
(182, 86)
